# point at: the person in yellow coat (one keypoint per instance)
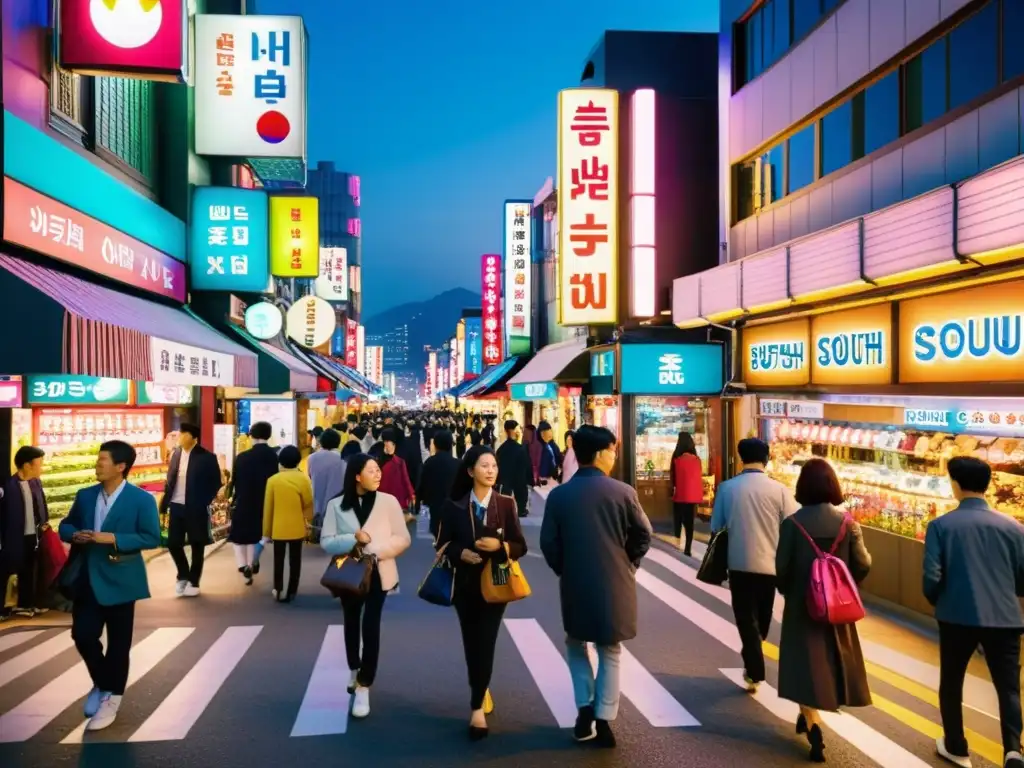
(287, 510)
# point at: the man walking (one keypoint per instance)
(248, 491)
(193, 480)
(973, 575)
(439, 471)
(21, 518)
(109, 526)
(514, 470)
(751, 507)
(594, 535)
(326, 470)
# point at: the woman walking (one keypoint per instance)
(479, 525)
(287, 510)
(365, 517)
(569, 463)
(820, 665)
(687, 488)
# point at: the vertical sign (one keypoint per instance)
(453, 360)
(490, 275)
(332, 282)
(378, 365)
(474, 347)
(431, 388)
(360, 347)
(518, 270)
(351, 338)
(460, 351)
(294, 236)
(588, 180)
(229, 239)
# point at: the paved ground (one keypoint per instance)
(234, 680)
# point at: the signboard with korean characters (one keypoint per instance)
(264, 320)
(250, 86)
(672, 369)
(474, 346)
(490, 279)
(958, 418)
(332, 282)
(150, 393)
(518, 271)
(311, 321)
(229, 239)
(777, 355)
(145, 39)
(460, 351)
(853, 347)
(588, 183)
(352, 343)
(63, 389)
(42, 224)
(175, 363)
(294, 236)
(790, 409)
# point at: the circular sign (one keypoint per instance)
(311, 321)
(263, 320)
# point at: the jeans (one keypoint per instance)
(957, 644)
(603, 692)
(182, 524)
(294, 550)
(109, 671)
(682, 517)
(480, 623)
(753, 598)
(362, 623)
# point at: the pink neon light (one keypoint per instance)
(353, 188)
(355, 227)
(643, 246)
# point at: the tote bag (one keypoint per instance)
(714, 568)
(438, 586)
(349, 575)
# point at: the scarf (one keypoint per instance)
(364, 506)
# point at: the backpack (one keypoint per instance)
(832, 594)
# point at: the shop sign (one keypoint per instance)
(474, 359)
(61, 389)
(969, 335)
(375, 364)
(518, 270)
(538, 390)
(777, 355)
(311, 321)
(42, 224)
(431, 386)
(175, 363)
(490, 279)
(250, 86)
(352, 344)
(146, 39)
(460, 351)
(10, 391)
(963, 420)
(588, 183)
(360, 347)
(229, 239)
(149, 393)
(294, 236)
(853, 347)
(792, 409)
(264, 320)
(602, 363)
(672, 369)
(332, 282)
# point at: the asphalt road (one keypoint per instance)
(231, 679)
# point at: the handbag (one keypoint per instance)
(349, 575)
(51, 555)
(503, 581)
(714, 568)
(70, 576)
(438, 586)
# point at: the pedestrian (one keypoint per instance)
(533, 448)
(550, 455)
(394, 472)
(366, 517)
(514, 470)
(22, 517)
(248, 489)
(821, 666)
(687, 478)
(569, 463)
(287, 510)
(751, 507)
(193, 481)
(354, 444)
(479, 525)
(594, 535)
(410, 453)
(974, 575)
(487, 434)
(437, 476)
(326, 471)
(106, 574)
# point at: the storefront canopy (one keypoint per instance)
(58, 323)
(495, 378)
(460, 389)
(280, 370)
(348, 377)
(547, 367)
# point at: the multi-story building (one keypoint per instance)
(340, 224)
(396, 347)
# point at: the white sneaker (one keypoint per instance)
(353, 674)
(179, 588)
(107, 713)
(190, 591)
(361, 702)
(1013, 760)
(940, 747)
(752, 687)
(92, 702)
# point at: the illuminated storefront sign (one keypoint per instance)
(149, 393)
(672, 369)
(59, 389)
(474, 339)
(853, 347)
(793, 409)
(352, 344)
(174, 363)
(332, 282)
(538, 390)
(518, 271)
(229, 239)
(310, 321)
(490, 279)
(294, 236)
(460, 351)
(264, 320)
(10, 391)
(777, 355)
(963, 420)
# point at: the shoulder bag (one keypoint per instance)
(503, 581)
(438, 586)
(349, 575)
(714, 568)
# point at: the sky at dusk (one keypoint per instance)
(446, 109)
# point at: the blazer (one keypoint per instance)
(202, 482)
(460, 530)
(253, 468)
(12, 521)
(389, 535)
(287, 506)
(117, 573)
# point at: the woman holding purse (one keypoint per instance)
(374, 522)
(479, 525)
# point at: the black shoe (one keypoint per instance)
(801, 725)
(586, 725)
(817, 739)
(605, 736)
(247, 572)
(255, 567)
(478, 734)
(687, 553)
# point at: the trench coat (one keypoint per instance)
(820, 665)
(253, 468)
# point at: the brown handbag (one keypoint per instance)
(349, 575)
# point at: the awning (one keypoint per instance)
(538, 380)
(81, 328)
(495, 378)
(334, 369)
(460, 389)
(280, 371)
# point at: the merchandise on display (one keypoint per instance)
(659, 420)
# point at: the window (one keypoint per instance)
(806, 14)
(926, 85)
(882, 112)
(780, 32)
(973, 56)
(754, 50)
(773, 163)
(125, 124)
(69, 102)
(1013, 32)
(837, 138)
(801, 159)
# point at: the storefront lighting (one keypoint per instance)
(643, 246)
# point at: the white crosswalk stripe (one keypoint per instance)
(324, 710)
(34, 657)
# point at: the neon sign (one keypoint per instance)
(778, 356)
(851, 349)
(973, 337)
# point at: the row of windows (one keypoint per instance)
(769, 32)
(967, 62)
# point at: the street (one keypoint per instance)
(233, 679)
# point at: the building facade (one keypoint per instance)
(340, 223)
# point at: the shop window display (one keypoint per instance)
(659, 420)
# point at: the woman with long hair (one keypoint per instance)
(687, 478)
(479, 525)
(374, 522)
(569, 463)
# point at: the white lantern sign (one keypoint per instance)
(311, 321)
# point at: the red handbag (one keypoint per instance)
(52, 556)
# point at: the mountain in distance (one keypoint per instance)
(431, 322)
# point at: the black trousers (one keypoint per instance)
(27, 572)
(362, 623)
(957, 645)
(480, 623)
(184, 524)
(682, 516)
(294, 550)
(108, 670)
(753, 598)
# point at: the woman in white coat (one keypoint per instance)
(376, 523)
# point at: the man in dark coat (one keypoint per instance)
(22, 513)
(193, 481)
(248, 487)
(514, 470)
(594, 535)
(436, 478)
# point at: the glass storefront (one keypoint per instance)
(659, 420)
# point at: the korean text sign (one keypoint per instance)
(332, 282)
(518, 272)
(490, 278)
(250, 86)
(175, 363)
(60, 389)
(777, 355)
(672, 369)
(351, 343)
(474, 346)
(294, 236)
(229, 239)
(588, 182)
(42, 224)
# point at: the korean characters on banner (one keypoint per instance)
(294, 236)
(474, 343)
(490, 270)
(229, 240)
(250, 86)
(175, 363)
(588, 180)
(518, 272)
(351, 343)
(332, 282)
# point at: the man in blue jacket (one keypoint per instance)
(109, 526)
